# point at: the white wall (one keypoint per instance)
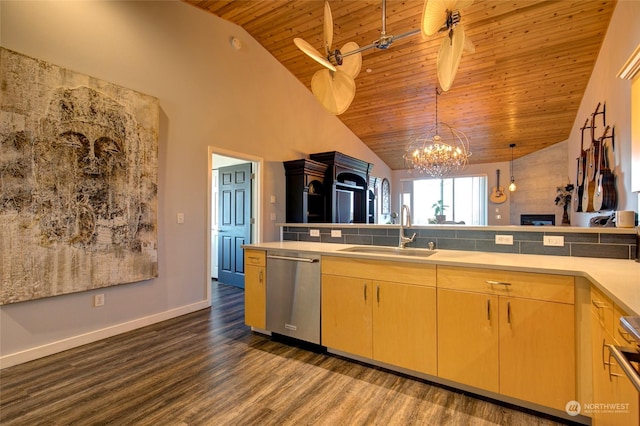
(623, 36)
(538, 175)
(210, 95)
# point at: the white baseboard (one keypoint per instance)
(93, 336)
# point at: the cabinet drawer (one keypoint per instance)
(255, 257)
(400, 272)
(556, 288)
(621, 335)
(602, 308)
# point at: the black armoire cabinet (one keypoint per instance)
(346, 182)
(306, 194)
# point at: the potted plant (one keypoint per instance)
(438, 211)
(563, 198)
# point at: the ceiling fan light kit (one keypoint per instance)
(438, 16)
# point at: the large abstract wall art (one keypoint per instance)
(78, 181)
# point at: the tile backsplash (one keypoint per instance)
(579, 244)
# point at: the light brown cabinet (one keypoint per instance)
(255, 296)
(610, 385)
(389, 321)
(508, 332)
(468, 338)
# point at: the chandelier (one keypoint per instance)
(438, 150)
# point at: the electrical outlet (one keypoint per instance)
(180, 217)
(553, 240)
(314, 232)
(98, 300)
(336, 233)
(504, 239)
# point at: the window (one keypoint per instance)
(464, 199)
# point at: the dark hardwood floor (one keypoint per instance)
(208, 368)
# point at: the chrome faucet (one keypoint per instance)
(405, 213)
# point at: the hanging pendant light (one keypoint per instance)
(512, 185)
(437, 150)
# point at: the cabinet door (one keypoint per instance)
(537, 351)
(255, 296)
(346, 314)
(468, 338)
(623, 390)
(606, 388)
(404, 326)
(603, 391)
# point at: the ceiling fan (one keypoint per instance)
(334, 86)
(452, 46)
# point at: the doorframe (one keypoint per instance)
(257, 167)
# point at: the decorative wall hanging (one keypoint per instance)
(78, 181)
(386, 196)
(595, 183)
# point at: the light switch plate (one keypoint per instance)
(504, 240)
(336, 233)
(314, 232)
(553, 240)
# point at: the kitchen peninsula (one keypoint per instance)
(426, 313)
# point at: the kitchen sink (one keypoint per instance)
(389, 250)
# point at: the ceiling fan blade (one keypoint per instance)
(449, 57)
(313, 53)
(351, 64)
(334, 90)
(469, 47)
(328, 28)
(463, 4)
(434, 15)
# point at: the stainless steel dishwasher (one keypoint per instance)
(293, 295)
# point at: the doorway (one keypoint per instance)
(234, 191)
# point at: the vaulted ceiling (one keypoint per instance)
(523, 84)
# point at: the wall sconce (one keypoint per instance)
(512, 185)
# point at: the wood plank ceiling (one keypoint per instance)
(523, 84)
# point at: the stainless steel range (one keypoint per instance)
(628, 358)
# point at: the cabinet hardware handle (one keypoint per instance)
(598, 304)
(489, 310)
(260, 276)
(491, 282)
(610, 364)
(604, 347)
(626, 366)
(364, 288)
(508, 312)
(378, 293)
(254, 258)
(624, 335)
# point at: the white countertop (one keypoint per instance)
(618, 278)
(486, 228)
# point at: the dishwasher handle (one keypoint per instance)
(294, 259)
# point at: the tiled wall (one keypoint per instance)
(602, 245)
